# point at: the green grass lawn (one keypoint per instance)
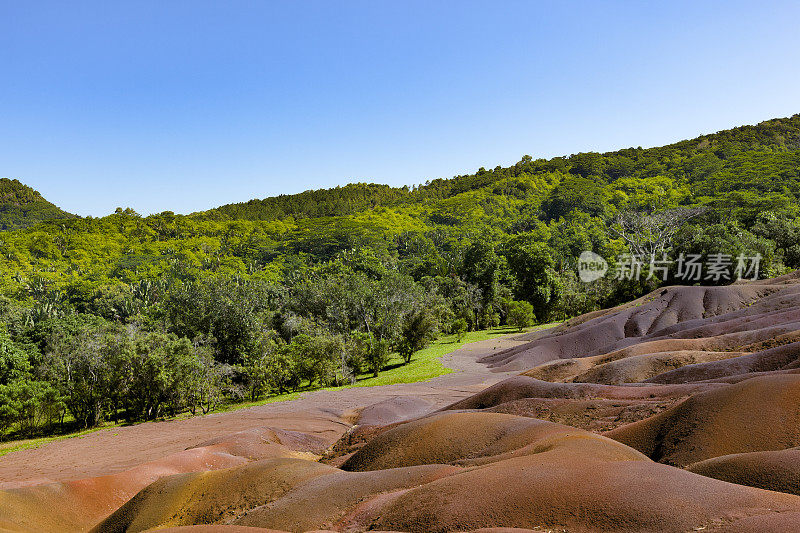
(425, 364)
(16, 445)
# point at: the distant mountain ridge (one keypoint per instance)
(728, 159)
(777, 141)
(22, 206)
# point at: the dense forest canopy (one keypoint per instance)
(139, 317)
(761, 158)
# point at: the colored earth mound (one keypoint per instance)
(456, 471)
(677, 412)
(78, 505)
(774, 470)
(667, 329)
(757, 414)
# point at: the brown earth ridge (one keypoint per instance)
(679, 411)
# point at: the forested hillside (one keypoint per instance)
(21, 206)
(140, 317)
(750, 160)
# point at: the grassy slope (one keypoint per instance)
(16, 445)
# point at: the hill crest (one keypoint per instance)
(22, 206)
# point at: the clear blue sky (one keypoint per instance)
(186, 105)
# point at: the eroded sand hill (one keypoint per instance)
(677, 412)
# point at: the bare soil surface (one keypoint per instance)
(670, 413)
(325, 414)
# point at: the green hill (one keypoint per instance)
(157, 315)
(757, 164)
(748, 178)
(22, 206)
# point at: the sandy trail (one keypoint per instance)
(325, 414)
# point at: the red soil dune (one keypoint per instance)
(597, 415)
(244, 529)
(643, 317)
(518, 387)
(779, 358)
(499, 470)
(757, 414)
(228, 496)
(565, 491)
(642, 367)
(593, 407)
(77, 505)
(218, 529)
(706, 378)
(393, 410)
(474, 438)
(566, 478)
(775, 470)
(667, 329)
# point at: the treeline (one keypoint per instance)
(156, 348)
(133, 318)
(747, 160)
(344, 200)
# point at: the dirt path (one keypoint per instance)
(327, 414)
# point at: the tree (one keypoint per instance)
(30, 404)
(150, 377)
(577, 193)
(84, 374)
(283, 369)
(10, 407)
(520, 314)
(172, 374)
(784, 232)
(314, 358)
(256, 364)
(460, 329)
(728, 239)
(654, 193)
(419, 328)
(14, 363)
(418, 255)
(650, 234)
(328, 363)
(463, 299)
(481, 266)
(373, 352)
(230, 309)
(536, 280)
(212, 383)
